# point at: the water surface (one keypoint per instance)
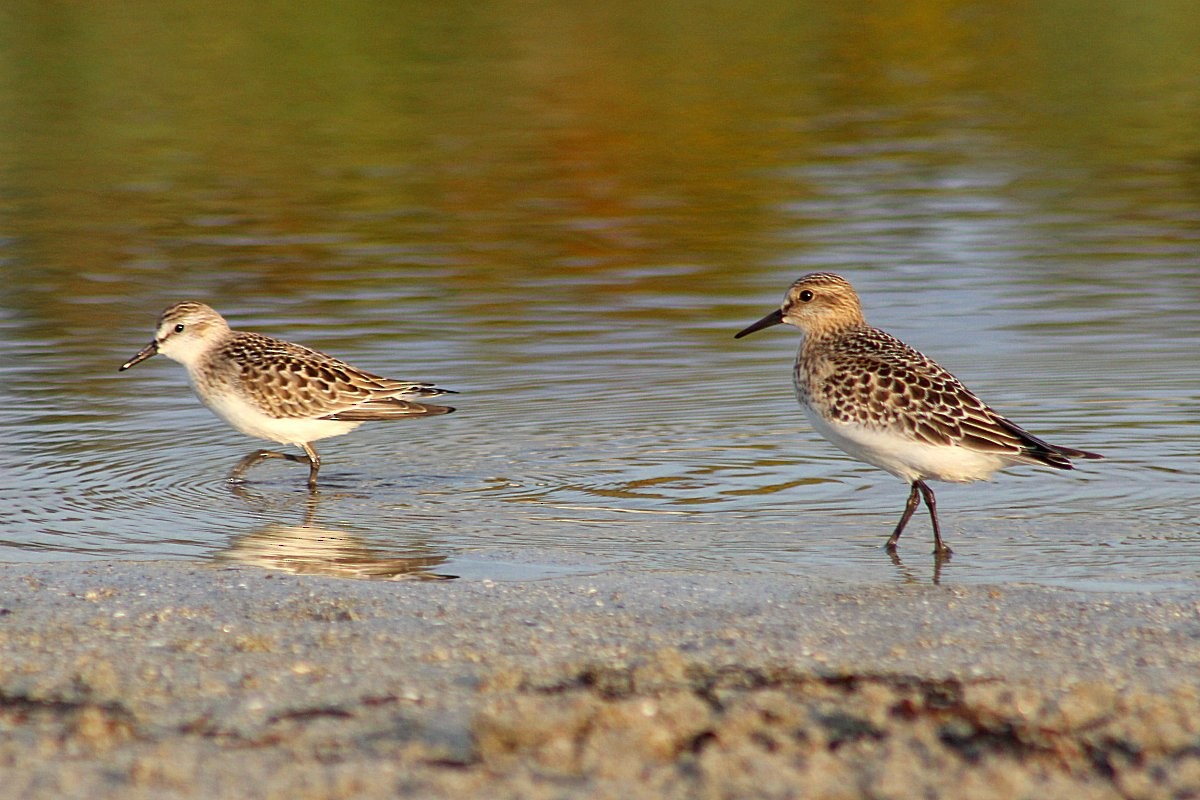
(565, 213)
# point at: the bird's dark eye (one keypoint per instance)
(179, 328)
(805, 296)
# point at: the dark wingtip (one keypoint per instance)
(1052, 455)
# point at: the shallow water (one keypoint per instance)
(565, 214)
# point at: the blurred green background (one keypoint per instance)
(149, 138)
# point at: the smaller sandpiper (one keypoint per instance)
(893, 407)
(276, 390)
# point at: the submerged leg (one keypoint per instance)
(939, 549)
(314, 464)
(254, 458)
(909, 508)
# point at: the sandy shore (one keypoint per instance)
(180, 680)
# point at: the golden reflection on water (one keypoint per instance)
(543, 138)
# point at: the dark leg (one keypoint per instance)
(314, 465)
(939, 549)
(254, 458)
(909, 508)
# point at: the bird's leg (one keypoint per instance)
(909, 508)
(254, 458)
(939, 549)
(314, 465)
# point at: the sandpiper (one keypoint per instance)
(276, 390)
(891, 406)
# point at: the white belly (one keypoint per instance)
(248, 419)
(907, 458)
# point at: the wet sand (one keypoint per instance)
(165, 680)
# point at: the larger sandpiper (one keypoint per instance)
(891, 406)
(276, 390)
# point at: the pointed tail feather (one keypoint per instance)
(1042, 452)
(1071, 452)
(390, 409)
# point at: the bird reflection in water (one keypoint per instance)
(940, 559)
(308, 549)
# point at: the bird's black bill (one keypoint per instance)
(143, 354)
(774, 318)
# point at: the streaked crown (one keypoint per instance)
(821, 303)
(188, 329)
